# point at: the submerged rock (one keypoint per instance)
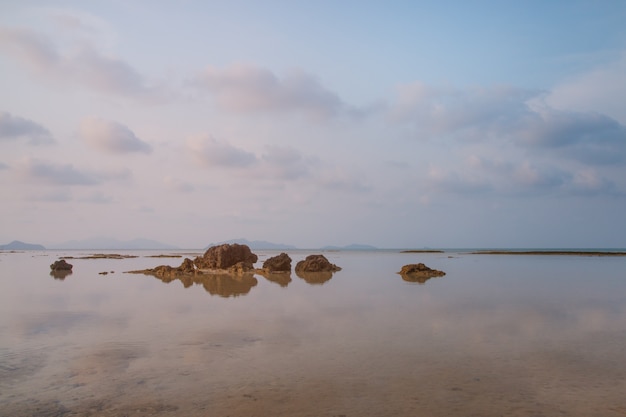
(419, 273)
(226, 256)
(316, 263)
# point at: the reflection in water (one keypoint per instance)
(499, 336)
(315, 278)
(222, 284)
(60, 273)
(281, 278)
(420, 279)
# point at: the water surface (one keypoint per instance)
(498, 335)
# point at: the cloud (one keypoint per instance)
(246, 88)
(602, 89)
(54, 174)
(178, 185)
(84, 65)
(3, 166)
(484, 177)
(506, 115)
(439, 179)
(210, 152)
(112, 137)
(13, 127)
(51, 173)
(590, 138)
(35, 50)
(285, 163)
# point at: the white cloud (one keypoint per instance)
(13, 127)
(213, 153)
(112, 137)
(246, 88)
(600, 90)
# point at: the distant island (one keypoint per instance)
(421, 251)
(17, 245)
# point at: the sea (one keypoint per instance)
(498, 335)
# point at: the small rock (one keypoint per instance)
(61, 265)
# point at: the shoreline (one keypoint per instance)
(548, 252)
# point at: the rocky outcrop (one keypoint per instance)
(316, 263)
(226, 256)
(278, 263)
(419, 273)
(61, 265)
(170, 272)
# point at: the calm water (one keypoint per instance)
(496, 336)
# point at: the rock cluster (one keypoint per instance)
(166, 271)
(316, 263)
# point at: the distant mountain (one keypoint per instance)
(110, 243)
(256, 244)
(17, 245)
(354, 246)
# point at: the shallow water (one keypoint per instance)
(498, 335)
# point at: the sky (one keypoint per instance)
(395, 124)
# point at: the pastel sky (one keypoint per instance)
(394, 124)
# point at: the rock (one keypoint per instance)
(240, 268)
(61, 265)
(169, 272)
(279, 263)
(225, 256)
(187, 267)
(419, 273)
(316, 263)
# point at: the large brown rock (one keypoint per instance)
(278, 263)
(226, 256)
(316, 263)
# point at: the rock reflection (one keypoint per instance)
(222, 284)
(315, 278)
(281, 278)
(60, 274)
(420, 279)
